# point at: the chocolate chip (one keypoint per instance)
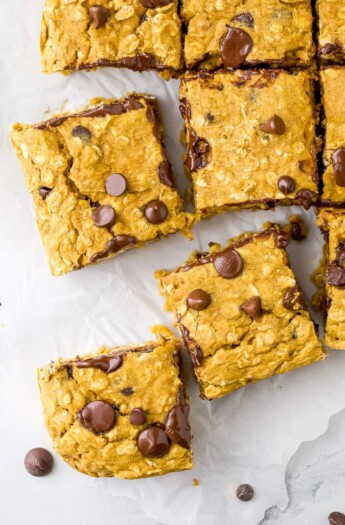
(44, 192)
(340, 252)
(274, 126)
(336, 518)
(198, 300)
(165, 173)
(306, 197)
(338, 159)
(106, 363)
(244, 18)
(296, 231)
(69, 369)
(116, 184)
(335, 275)
(245, 492)
(286, 185)
(98, 417)
(235, 46)
(177, 427)
(252, 307)
(152, 4)
(99, 15)
(282, 238)
(198, 151)
(228, 263)
(293, 299)
(103, 216)
(81, 133)
(156, 212)
(153, 442)
(128, 391)
(137, 416)
(38, 462)
(210, 117)
(114, 245)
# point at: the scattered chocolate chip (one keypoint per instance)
(98, 417)
(81, 133)
(114, 245)
(245, 492)
(106, 363)
(99, 15)
(128, 391)
(165, 173)
(338, 159)
(44, 192)
(336, 518)
(152, 4)
(210, 117)
(340, 252)
(137, 416)
(274, 126)
(235, 46)
(306, 197)
(286, 185)
(153, 442)
(177, 427)
(282, 238)
(198, 300)
(228, 263)
(335, 275)
(38, 462)
(116, 184)
(293, 299)
(244, 18)
(252, 307)
(103, 216)
(296, 231)
(156, 212)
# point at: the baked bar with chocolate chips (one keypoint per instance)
(251, 139)
(100, 181)
(331, 35)
(330, 278)
(333, 99)
(121, 412)
(241, 312)
(232, 33)
(135, 34)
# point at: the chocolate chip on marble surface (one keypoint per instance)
(44, 192)
(198, 300)
(338, 159)
(286, 185)
(252, 307)
(296, 231)
(98, 417)
(137, 416)
(244, 18)
(38, 462)
(153, 442)
(228, 263)
(128, 391)
(106, 363)
(235, 46)
(81, 133)
(116, 184)
(103, 216)
(245, 492)
(156, 212)
(99, 15)
(336, 518)
(274, 126)
(335, 275)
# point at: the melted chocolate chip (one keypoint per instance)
(165, 173)
(245, 492)
(296, 231)
(137, 416)
(286, 185)
(99, 15)
(194, 349)
(244, 18)
(128, 391)
(306, 197)
(340, 252)
(336, 518)
(152, 4)
(140, 62)
(338, 159)
(293, 299)
(153, 442)
(106, 363)
(282, 239)
(44, 192)
(197, 152)
(274, 126)
(103, 216)
(69, 372)
(235, 46)
(331, 48)
(198, 300)
(252, 307)
(114, 245)
(38, 462)
(116, 184)
(177, 427)
(335, 274)
(81, 133)
(97, 417)
(228, 263)
(156, 212)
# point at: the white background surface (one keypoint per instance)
(285, 435)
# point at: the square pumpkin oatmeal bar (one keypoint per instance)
(100, 181)
(136, 34)
(251, 139)
(231, 33)
(120, 412)
(241, 313)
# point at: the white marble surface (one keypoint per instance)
(285, 436)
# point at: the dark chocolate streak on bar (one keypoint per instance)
(194, 349)
(115, 244)
(330, 49)
(165, 172)
(114, 108)
(140, 62)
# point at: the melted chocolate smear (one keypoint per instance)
(165, 173)
(114, 245)
(194, 349)
(197, 153)
(106, 363)
(306, 197)
(235, 46)
(177, 427)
